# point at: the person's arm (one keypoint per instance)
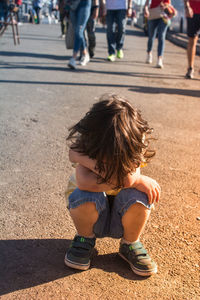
(87, 181)
(146, 9)
(130, 8)
(149, 186)
(85, 161)
(95, 7)
(188, 10)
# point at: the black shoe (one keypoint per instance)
(91, 52)
(79, 254)
(138, 259)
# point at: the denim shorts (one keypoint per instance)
(109, 222)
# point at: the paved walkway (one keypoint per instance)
(39, 99)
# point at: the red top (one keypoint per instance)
(195, 6)
(155, 3)
(18, 2)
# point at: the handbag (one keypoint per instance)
(165, 11)
(73, 4)
(155, 13)
(69, 36)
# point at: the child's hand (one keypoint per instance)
(149, 186)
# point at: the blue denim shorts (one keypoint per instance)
(109, 223)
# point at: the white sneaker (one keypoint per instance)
(72, 63)
(84, 60)
(160, 63)
(149, 59)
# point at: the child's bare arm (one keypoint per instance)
(85, 161)
(90, 164)
(149, 186)
(87, 180)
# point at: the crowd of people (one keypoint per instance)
(84, 13)
(158, 14)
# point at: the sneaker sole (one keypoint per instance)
(71, 67)
(138, 271)
(76, 266)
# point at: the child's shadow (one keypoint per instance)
(28, 263)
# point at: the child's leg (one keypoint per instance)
(90, 214)
(134, 221)
(84, 218)
(130, 213)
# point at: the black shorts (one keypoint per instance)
(193, 25)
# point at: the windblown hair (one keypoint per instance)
(114, 134)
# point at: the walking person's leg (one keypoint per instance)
(162, 30)
(62, 24)
(79, 20)
(121, 30)
(111, 34)
(193, 27)
(91, 24)
(152, 31)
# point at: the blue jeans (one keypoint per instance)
(109, 222)
(79, 18)
(116, 27)
(3, 11)
(155, 27)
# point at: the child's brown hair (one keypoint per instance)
(114, 134)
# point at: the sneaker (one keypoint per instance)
(72, 63)
(111, 57)
(138, 258)
(190, 73)
(149, 59)
(120, 54)
(84, 60)
(79, 254)
(62, 36)
(160, 63)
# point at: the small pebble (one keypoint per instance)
(198, 218)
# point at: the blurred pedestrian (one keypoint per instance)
(192, 12)
(90, 27)
(18, 4)
(63, 13)
(79, 16)
(156, 26)
(3, 11)
(116, 26)
(37, 5)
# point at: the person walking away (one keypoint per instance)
(90, 27)
(37, 5)
(3, 11)
(79, 17)
(192, 12)
(116, 26)
(112, 199)
(156, 26)
(63, 14)
(18, 4)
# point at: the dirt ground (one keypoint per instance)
(40, 98)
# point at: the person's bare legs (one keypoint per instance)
(191, 51)
(131, 249)
(79, 253)
(84, 218)
(134, 221)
